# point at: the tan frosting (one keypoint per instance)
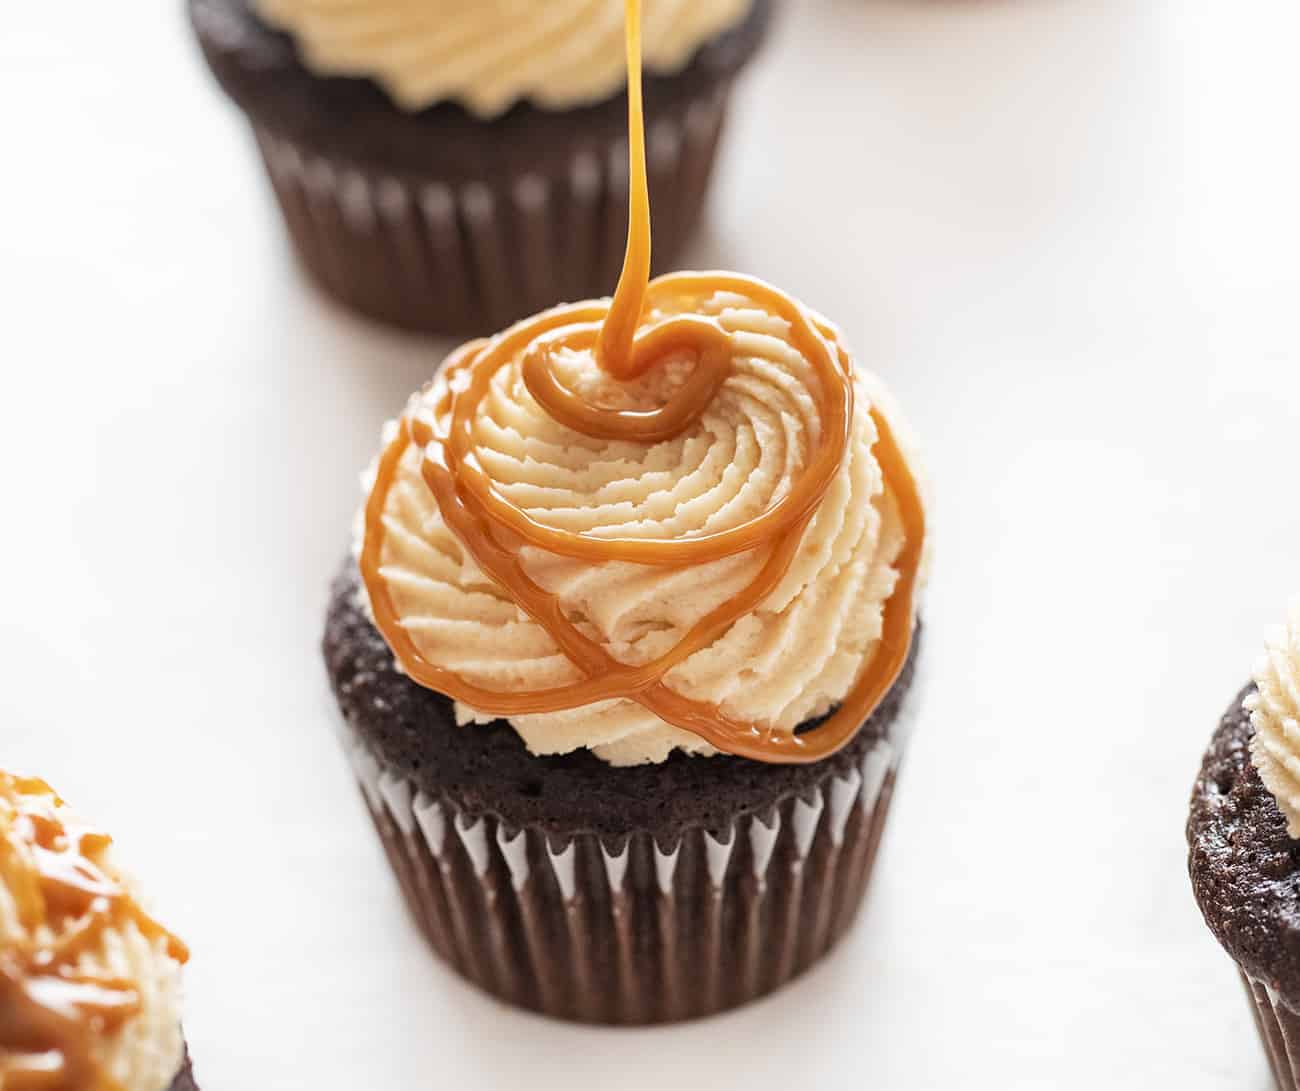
(490, 54)
(1275, 714)
(145, 1052)
(789, 660)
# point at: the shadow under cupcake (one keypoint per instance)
(455, 167)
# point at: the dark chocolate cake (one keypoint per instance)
(1245, 868)
(486, 769)
(1245, 871)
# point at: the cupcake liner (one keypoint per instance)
(634, 931)
(451, 257)
(1279, 1030)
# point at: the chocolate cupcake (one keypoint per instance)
(604, 858)
(598, 862)
(90, 985)
(1244, 839)
(623, 651)
(454, 165)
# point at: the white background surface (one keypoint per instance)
(1066, 234)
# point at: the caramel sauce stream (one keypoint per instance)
(494, 530)
(52, 1013)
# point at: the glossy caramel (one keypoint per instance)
(51, 1013)
(494, 530)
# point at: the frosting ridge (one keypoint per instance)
(1275, 715)
(490, 54)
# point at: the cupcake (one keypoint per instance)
(576, 829)
(625, 645)
(453, 165)
(1244, 839)
(90, 984)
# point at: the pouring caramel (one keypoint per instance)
(494, 530)
(64, 897)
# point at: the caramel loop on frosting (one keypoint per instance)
(710, 342)
(89, 982)
(831, 395)
(1275, 714)
(490, 54)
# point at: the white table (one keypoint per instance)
(1066, 234)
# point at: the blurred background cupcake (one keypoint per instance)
(90, 984)
(453, 165)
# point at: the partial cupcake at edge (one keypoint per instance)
(626, 646)
(1244, 839)
(454, 165)
(90, 984)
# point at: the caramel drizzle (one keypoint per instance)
(494, 530)
(52, 1014)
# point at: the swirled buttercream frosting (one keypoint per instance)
(1275, 715)
(792, 657)
(490, 54)
(90, 986)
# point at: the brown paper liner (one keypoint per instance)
(638, 932)
(1279, 1030)
(466, 259)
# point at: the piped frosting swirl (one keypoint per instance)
(490, 54)
(788, 660)
(1275, 714)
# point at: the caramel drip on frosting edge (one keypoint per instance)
(494, 530)
(66, 898)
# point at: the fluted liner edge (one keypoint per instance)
(634, 932)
